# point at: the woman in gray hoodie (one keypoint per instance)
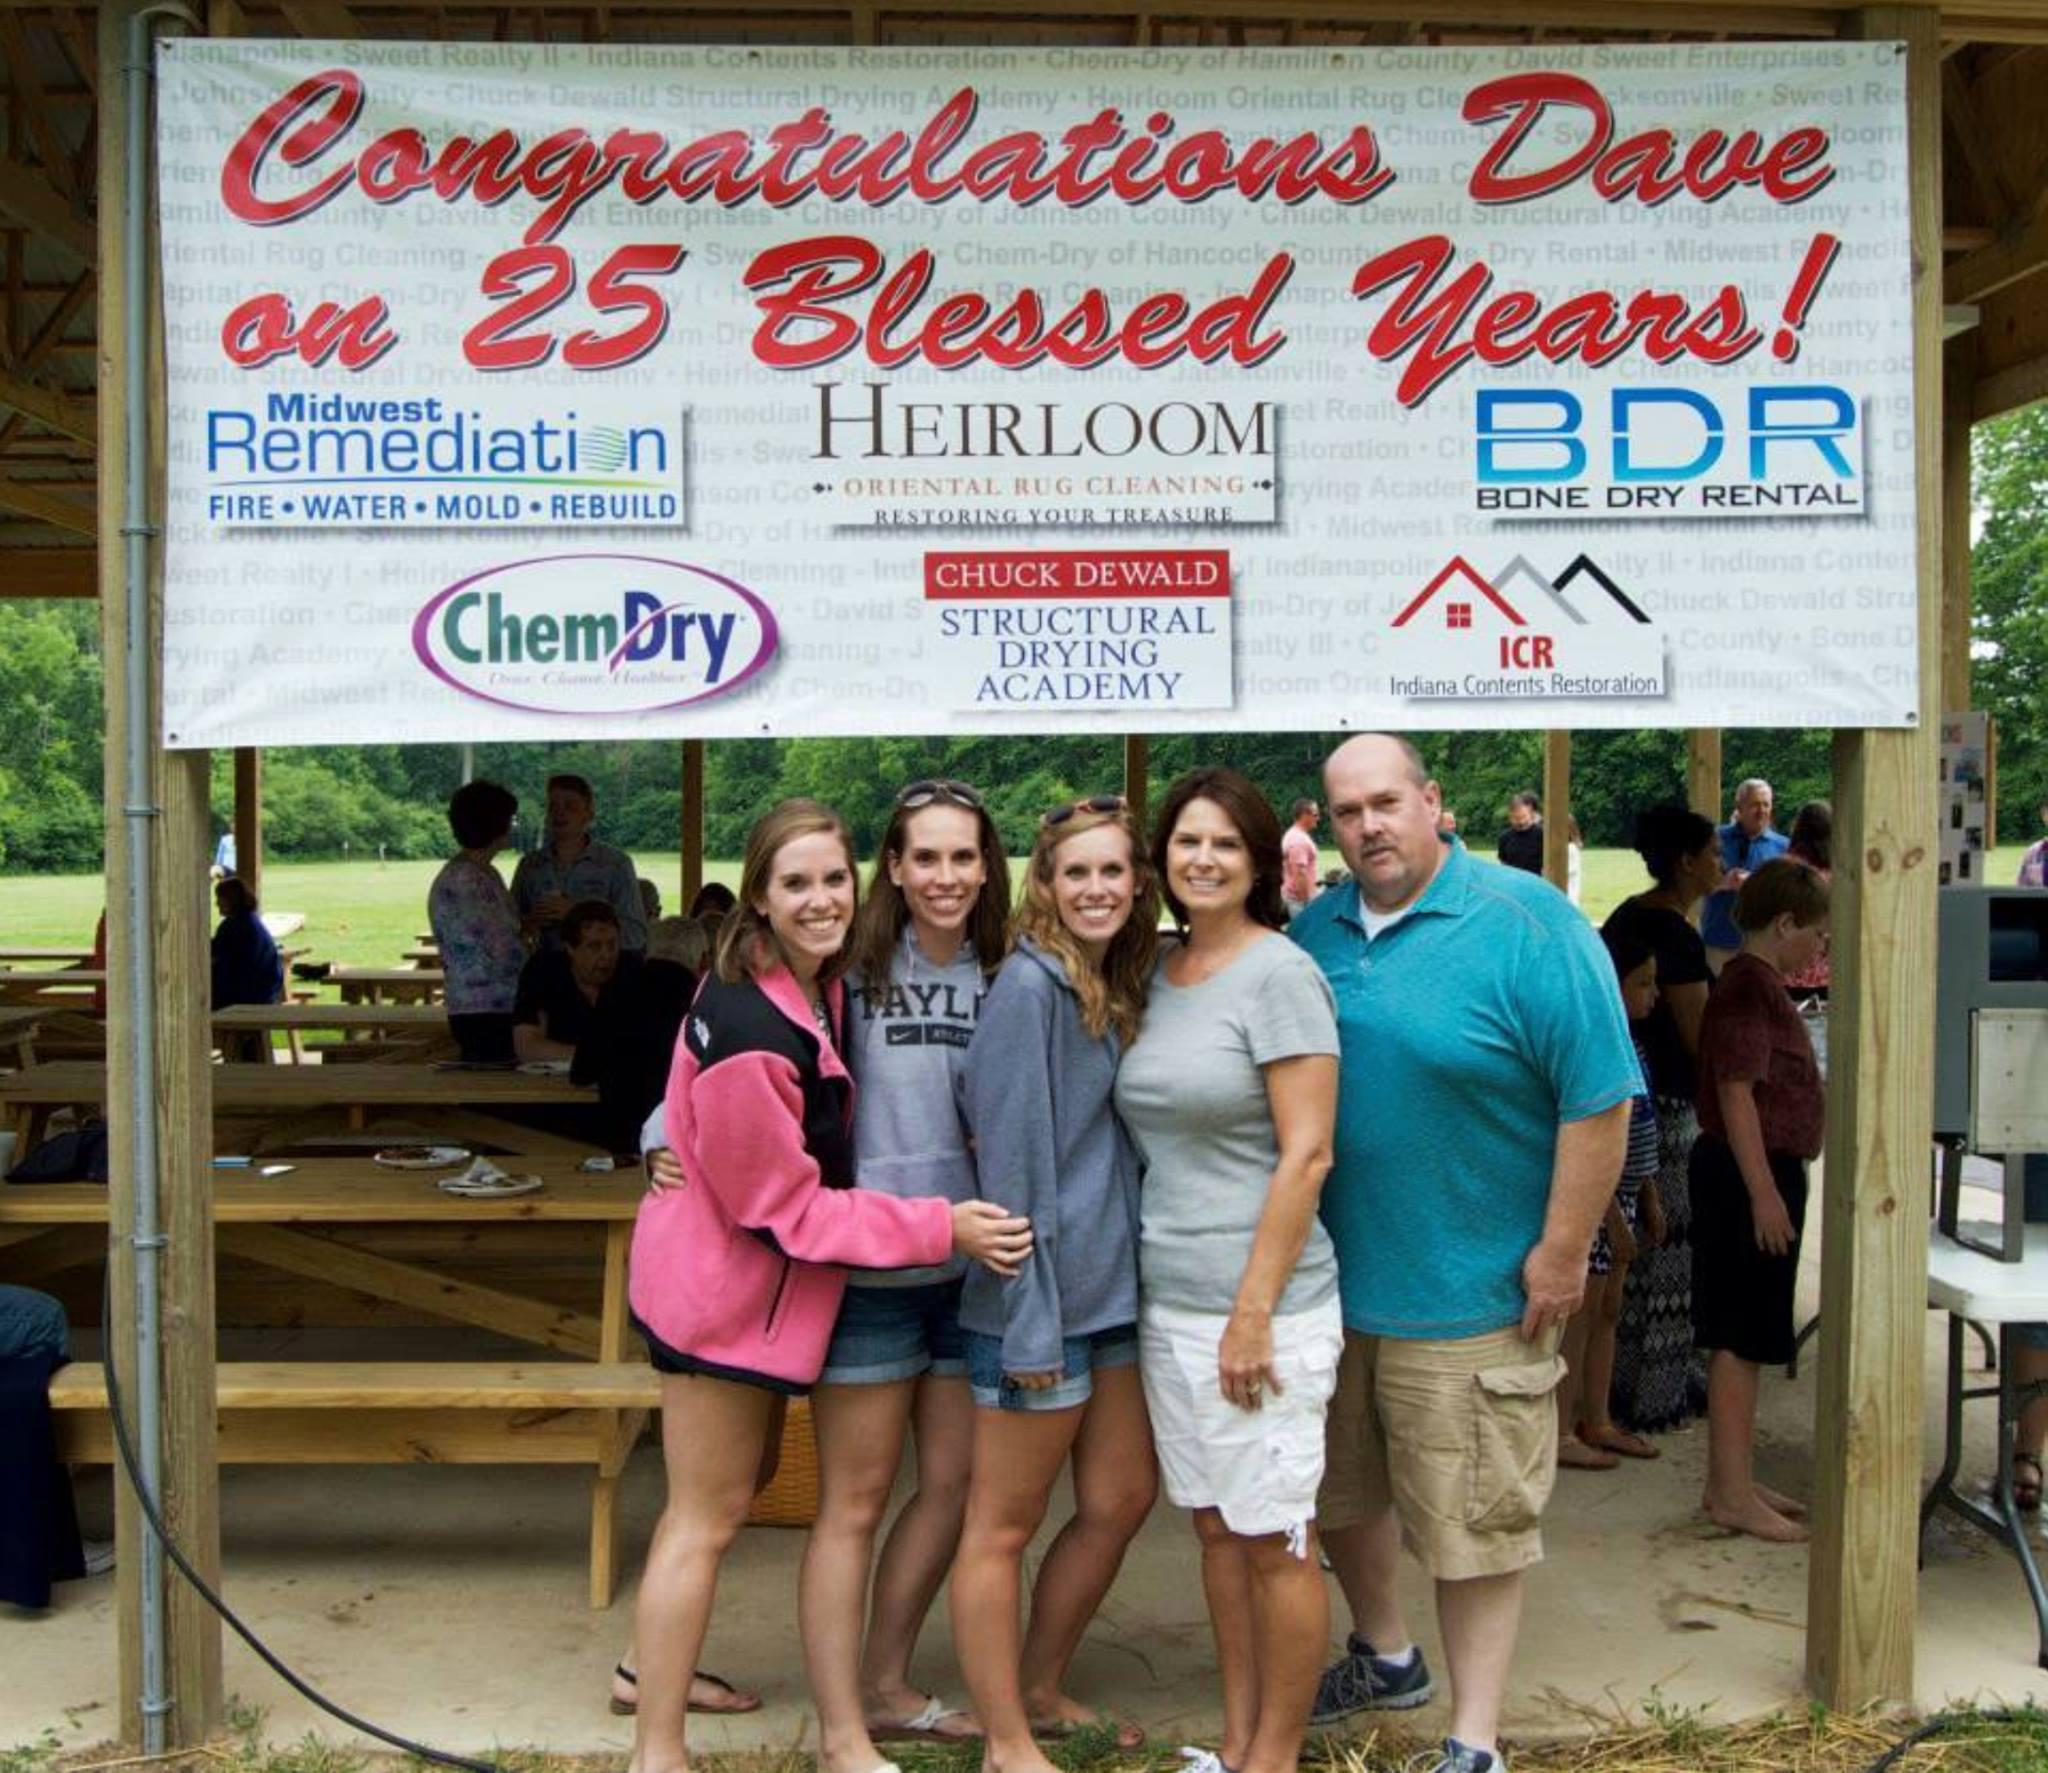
(931, 932)
(1052, 1352)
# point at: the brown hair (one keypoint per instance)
(239, 896)
(1246, 808)
(1112, 993)
(582, 916)
(1781, 888)
(746, 943)
(878, 926)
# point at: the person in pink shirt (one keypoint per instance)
(1299, 857)
(737, 1274)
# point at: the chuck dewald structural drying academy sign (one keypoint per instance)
(522, 390)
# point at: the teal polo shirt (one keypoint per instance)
(1471, 1029)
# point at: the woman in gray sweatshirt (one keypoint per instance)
(931, 932)
(1051, 1352)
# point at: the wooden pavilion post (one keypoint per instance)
(1557, 807)
(693, 821)
(1862, 1576)
(249, 817)
(1703, 771)
(1137, 771)
(180, 1084)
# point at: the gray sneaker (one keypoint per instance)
(1359, 1681)
(1460, 1759)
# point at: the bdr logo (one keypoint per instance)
(1468, 636)
(1663, 451)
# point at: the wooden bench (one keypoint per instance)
(586, 1413)
(328, 1224)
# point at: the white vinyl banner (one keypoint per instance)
(524, 391)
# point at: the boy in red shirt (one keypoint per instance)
(1761, 1107)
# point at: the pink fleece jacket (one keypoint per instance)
(741, 1269)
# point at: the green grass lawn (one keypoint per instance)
(369, 913)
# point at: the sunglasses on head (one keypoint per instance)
(937, 788)
(1095, 803)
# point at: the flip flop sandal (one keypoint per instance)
(1129, 1737)
(626, 1708)
(927, 1726)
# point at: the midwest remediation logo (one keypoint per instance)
(299, 460)
(595, 634)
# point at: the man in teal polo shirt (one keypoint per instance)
(1482, 1112)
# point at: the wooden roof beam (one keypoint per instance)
(30, 198)
(322, 18)
(49, 572)
(32, 501)
(28, 90)
(2017, 253)
(69, 414)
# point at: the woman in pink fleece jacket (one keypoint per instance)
(736, 1275)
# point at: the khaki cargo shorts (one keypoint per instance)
(1460, 1437)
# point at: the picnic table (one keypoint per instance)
(57, 957)
(71, 985)
(18, 1033)
(459, 1099)
(387, 984)
(281, 924)
(343, 1223)
(391, 1023)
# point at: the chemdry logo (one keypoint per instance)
(595, 634)
(1521, 634)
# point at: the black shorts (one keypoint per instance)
(665, 1359)
(1741, 1295)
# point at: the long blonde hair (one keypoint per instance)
(746, 942)
(1112, 991)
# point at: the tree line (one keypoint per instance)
(357, 800)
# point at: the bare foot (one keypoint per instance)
(1617, 1440)
(1757, 1518)
(849, 1753)
(1788, 1506)
(1069, 1717)
(1574, 1453)
(1027, 1758)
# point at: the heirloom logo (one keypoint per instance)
(1666, 451)
(595, 634)
(1467, 637)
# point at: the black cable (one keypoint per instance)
(270, 1659)
(1939, 1725)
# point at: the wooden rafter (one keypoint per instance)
(2020, 252)
(49, 572)
(31, 501)
(322, 18)
(28, 94)
(1959, 113)
(30, 198)
(71, 415)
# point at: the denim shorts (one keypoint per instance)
(1080, 1356)
(889, 1333)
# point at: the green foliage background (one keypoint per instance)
(366, 801)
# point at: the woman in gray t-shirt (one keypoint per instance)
(1230, 1091)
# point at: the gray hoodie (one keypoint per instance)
(1037, 1095)
(906, 1045)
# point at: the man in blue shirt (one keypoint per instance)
(1485, 1081)
(573, 866)
(1747, 843)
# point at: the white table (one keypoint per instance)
(1978, 1289)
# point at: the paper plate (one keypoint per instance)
(421, 1157)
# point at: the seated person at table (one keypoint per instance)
(560, 990)
(246, 968)
(629, 1046)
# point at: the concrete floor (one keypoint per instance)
(447, 1604)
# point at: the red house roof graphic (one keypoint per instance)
(1463, 569)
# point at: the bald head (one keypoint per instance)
(1385, 810)
(1375, 747)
